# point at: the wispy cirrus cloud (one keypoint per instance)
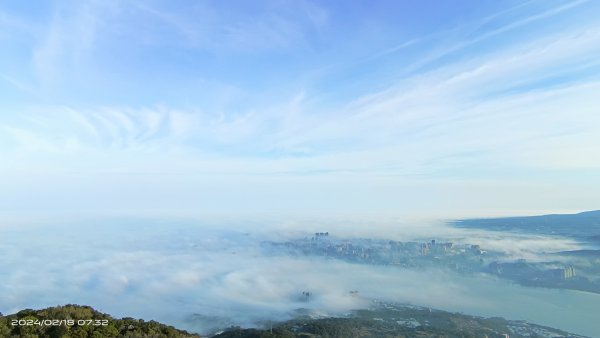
(485, 35)
(503, 116)
(100, 129)
(442, 112)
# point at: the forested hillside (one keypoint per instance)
(75, 321)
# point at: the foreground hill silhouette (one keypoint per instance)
(383, 320)
(36, 324)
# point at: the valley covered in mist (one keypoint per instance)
(219, 165)
(203, 276)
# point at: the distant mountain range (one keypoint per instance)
(582, 226)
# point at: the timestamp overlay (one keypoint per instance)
(59, 322)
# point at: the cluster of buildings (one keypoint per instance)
(564, 273)
(533, 273)
(433, 248)
(385, 252)
(463, 258)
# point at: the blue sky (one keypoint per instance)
(443, 109)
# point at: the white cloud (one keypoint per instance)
(218, 29)
(486, 122)
(443, 51)
(67, 41)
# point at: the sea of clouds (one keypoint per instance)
(205, 275)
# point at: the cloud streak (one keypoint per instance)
(425, 112)
(178, 104)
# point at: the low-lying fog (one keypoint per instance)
(198, 277)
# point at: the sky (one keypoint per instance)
(387, 108)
